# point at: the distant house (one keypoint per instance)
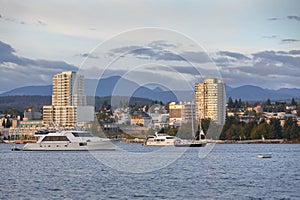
(291, 107)
(140, 118)
(258, 108)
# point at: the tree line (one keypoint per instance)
(236, 130)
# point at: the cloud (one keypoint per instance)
(294, 17)
(294, 52)
(161, 50)
(87, 55)
(271, 57)
(186, 70)
(289, 40)
(259, 68)
(18, 71)
(197, 57)
(124, 49)
(6, 52)
(269, 36)
(40, 22)
(282, 52)
(270, 69)
(147, 52)
(161, 44)
(10, 19)
(237, 56)
(274, 18)
(8, 55)
(158, 50)
(256, 67)
(22, 22)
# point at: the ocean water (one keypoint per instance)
(229, 171)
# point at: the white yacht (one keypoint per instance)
(160, 139)
(69, 140)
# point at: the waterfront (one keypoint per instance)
(230, 171)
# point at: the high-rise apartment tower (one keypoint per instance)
(67, 95)
(211, 100)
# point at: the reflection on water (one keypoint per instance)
(230, 171)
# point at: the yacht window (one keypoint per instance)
(86, 134)
(75, 134)
(82, 144)
(170, 137)
(159, 140)
(55, 138)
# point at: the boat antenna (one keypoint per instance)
(56, 126)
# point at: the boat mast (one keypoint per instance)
(193, 110)
(199, 130)
(193, 131)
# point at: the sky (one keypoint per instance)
(171, 43)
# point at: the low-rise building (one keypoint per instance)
(258, 108)
(28, 128)
(140, 118)
(181, 113)
(29, 114)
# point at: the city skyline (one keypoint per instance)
(259, 47)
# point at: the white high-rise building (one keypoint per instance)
(211, 100)
(68, 89)
(67, 95)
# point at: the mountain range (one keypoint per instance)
(109, 86)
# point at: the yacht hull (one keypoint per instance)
(191, 145)
(90, 146)
(159, 144)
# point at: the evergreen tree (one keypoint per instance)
(248, 128)
(240, 103)
(287, 128)
(293, 102)
(268, 103)
(8, 123)
(276, 128)
(147, 108)
(234, 132)
(230, 103)
(294, 131)
(226, 132)
(261, 130)
(236, 103)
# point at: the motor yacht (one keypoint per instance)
(160, 139)
(69, 141)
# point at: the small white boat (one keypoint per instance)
(160, 139)
(267, 155)
(15, 148)
(69, 141)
